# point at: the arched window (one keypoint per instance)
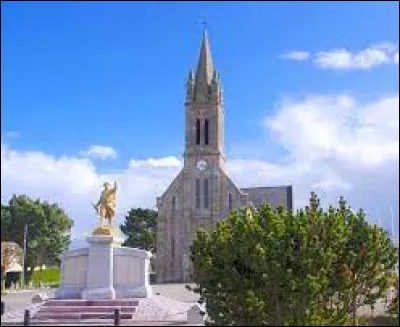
(173, 204)
(198, 131)
(206, 131)
(197, 193)
(230, 202)
(206, 200)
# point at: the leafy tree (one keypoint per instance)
(276, 267)
(140, 227)
(5, 221)
(48, 229)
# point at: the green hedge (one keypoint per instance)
(46, 276)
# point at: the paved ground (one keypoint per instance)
(22, 299)
(176, 291)
(168, 306)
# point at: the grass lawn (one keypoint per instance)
(49, 276)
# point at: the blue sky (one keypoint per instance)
(79, 73)
(113, 73)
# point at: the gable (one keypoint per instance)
(173, 186)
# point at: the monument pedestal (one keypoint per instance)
(104, 271)
(100, 272)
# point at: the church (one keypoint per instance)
(202, 193)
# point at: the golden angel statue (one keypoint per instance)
(105, 207)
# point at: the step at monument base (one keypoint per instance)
(78, 310)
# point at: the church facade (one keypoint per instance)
(202, 193)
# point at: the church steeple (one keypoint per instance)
(204, 109)
(204, 72)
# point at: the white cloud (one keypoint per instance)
(336, 146)
(100, 151)
(339, 127)
(330, 182)
(296, 55)
(160, 162)
(389, 47)
(75, 182)
(344, 59)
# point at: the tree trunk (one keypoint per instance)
(3, 280)
(28, 274)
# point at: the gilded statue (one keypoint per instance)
(105, 207)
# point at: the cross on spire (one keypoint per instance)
(204, 23)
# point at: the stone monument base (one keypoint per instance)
(105, 270)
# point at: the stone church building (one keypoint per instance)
(202, 193)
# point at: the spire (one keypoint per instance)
(205, 67)
(205, 70)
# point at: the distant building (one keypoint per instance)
(11, 263)
(11, 257)
(202, 193)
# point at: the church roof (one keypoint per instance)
(275, 195)
(14, 267)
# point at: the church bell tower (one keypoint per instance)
(204, 143)
(202, 193)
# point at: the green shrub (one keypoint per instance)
(279, 268)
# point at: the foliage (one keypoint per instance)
(275, 267)
(5, 221)
(140, 227)
(48, 229)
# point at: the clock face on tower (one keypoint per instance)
(201, 165)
